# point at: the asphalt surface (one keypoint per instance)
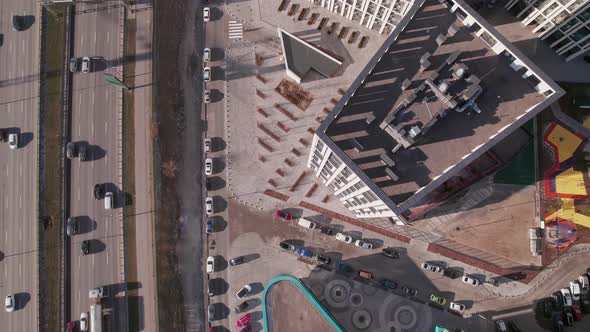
(19, 109)
(95, 105)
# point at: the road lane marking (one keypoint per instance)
(95, 36)
(79, 131)
(79, 263)
(20, 235)
(20, 201)
(106, 126)
(20, 272)
(82, 41)
(92, 261)
(23, 46)
(20, 171)
(108, 36)
(107, 258)
(92, 97)
(78, 193)
(92, 129)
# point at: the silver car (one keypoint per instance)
(85, 65)
(10, 303)
(207, 54)
(207, 74)
(207, 96)
(13, 141)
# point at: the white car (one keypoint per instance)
(210, 264)
(206, 14)
(13, 141)
(85, 65)
(344, 238)
(10, 303)
(209, 205)
(363, 244)
(432, 268)
(206, 54)
(501, 326)
(207, 74)
(83, 321)
(207, 144)
(244, 291)
(567, 297)
(470, 281)
(208, 166)
(458, 307)
(207, 96)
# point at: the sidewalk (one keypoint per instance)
(144, 221)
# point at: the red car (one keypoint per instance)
(576, 312)
(246, 328)
(70, 327)
(284, 215)
(243, 320)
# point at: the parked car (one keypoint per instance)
(576, 312)
(207, 74)
(438, 299)
(207, 143)
(243, 320)
(304, 253)
(70, 326)
(558, 325)
(72, 226)
(546, 306)
(247, 328)
(207, 96)
(344, 268)
(206, 14)
(343, 237)
(408, 291)
(567, 297)
(501, 326)
(470, 281)
(244, 291)
(512, 326)
(70, 150)
(284, 215)
(211, 312)
(432, 267)
(10, 303)
(208, 166)
(366, 274)
(209, 205)
(326, 230)
(389, 284)
(324, 259)
(210, 264)
(306, 223)
(98, 191)
(568, 319)
(390, 252)
(82, 152)
(13, 141)
(363, 244)
(458, 307)
(236, 261)
(206, 54)
(209, 227)
(212, 287)
(85, 247)
(583, 279)
(287, 246)
(575, 290)
(18, 23)
(242, 307)
(84, 321)
(85, 65)
(73, 65)
(109, 201)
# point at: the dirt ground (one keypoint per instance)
(288, 301)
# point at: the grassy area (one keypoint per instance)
(129, 178)
(50, 196)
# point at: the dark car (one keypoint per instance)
(327, 230)
(209, 225)
(324, 259)
(304, 253)
(3, 135)
(70, 150)
(287, 246)
(85, 247)
(236, 261)
(512, 327)
(242, 307)
(344, 268)
(547, 307)
(390, 252)
(389, 284)
(72, 226)
(83, 152)
(284, 215)
(212, 287)
(18, 23)
(407, 291)
(98, 191)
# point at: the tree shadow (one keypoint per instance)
(219, 204)
(215, 183)
(218, 165)
(220, 263)
(25, 139)
(21, 299)
(217, 53)
(220, 286)
(218, 144)
(250, 257)
(216, 95)
(257, 288)
(219, 223)
(86, 224)
(96, 246)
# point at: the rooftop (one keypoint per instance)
(436, 95)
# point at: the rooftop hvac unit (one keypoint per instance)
(414, 131)
(459, 72)
(443, 87)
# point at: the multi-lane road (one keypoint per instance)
(94, 123)
(19, 110)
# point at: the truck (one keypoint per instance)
(96, 295)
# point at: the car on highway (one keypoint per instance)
(207, 96)
(10, 303)
(283, 215)
(109, 201)
(3, 135)
(13, 140)
(388, 284)
(18, 23)
(70, 327)
(206, 54)
(73, 65)
(304, 253)
(72, 226)
(85, 247)
(70, 150)
(458, 307)
(207, 143)
(242, 307)
(209, 205)
(236, 261)
(207, 74)
(244, 291)
(208, 166)
(206, 14)
(390, 252)
(287, 246)
(344, 238)
(84, 321)
(83, 152)
(432, 267)
(243, 320)
(438, 299)
(363, 244)
(324, 259)
(85, 65)
(211, 312)
(470, 281)
(98, 191)
(210, 264)
(209, 228)
(408, 291)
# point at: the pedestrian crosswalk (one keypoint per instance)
(236, 30)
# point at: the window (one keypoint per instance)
(561, 44)
(571, 51)
(570, 24)
(555, 36)
(580, 34)
(585, 15)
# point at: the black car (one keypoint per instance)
(85, 247)
(324, 259)
(209, 225)
(390, 252)
(327, 230)
(242, 307)
(83, 152)
(3, 135)
(407, 291)
(236, 261)
(287, 246)
(389, 284)
(212, 287)
(98, 191)
(18, 23)
(72, 226)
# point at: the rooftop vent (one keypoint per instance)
(443, 87)
(414, 131)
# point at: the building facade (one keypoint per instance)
(564, 25)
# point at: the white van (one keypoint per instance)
(306, 223)
(109, 201)
(583, 281)
(575, 289)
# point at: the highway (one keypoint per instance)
(19, 110)
(95, 109)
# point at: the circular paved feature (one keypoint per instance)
(361, 319)
(337, 293)
(356, 299)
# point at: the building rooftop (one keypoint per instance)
(438, 93)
